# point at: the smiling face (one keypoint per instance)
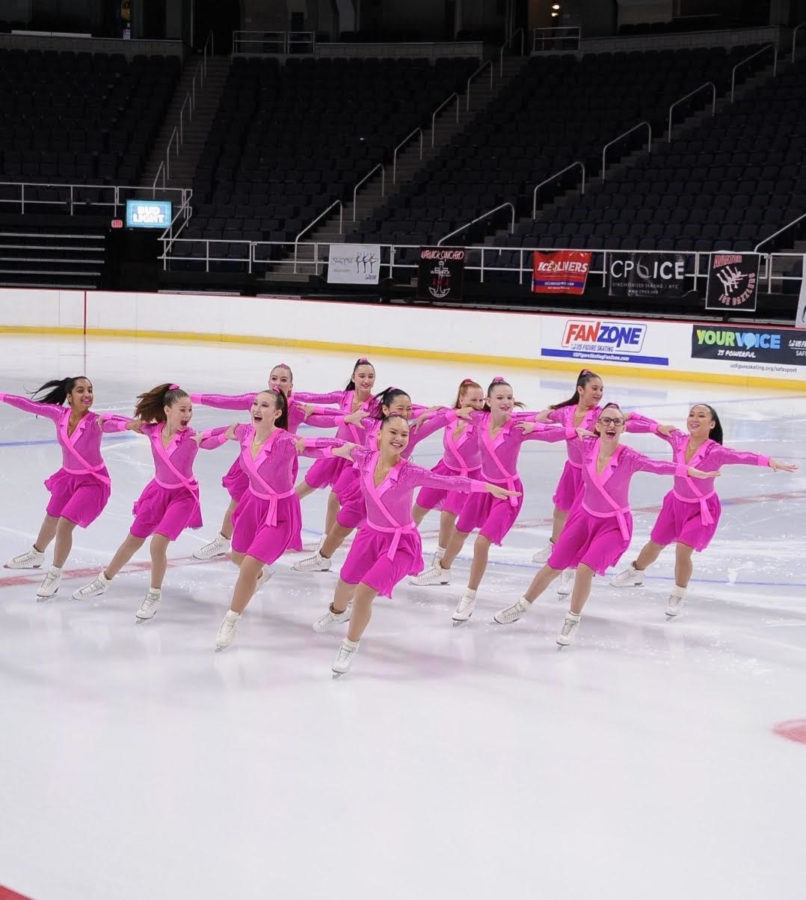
(473, 397)
(179, 414)
(591, 394)
(611, 424)
(364, 378)
(400, 406)
(394, 436)
(265, 409)
(501, 400)
(281, 378)
(700, 421)
(81, 397)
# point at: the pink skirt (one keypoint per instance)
(236, 481)
(569, 487)
(78, 498)
(167, 512)
(447, 501)
(324, 472)
(368, 562)
(252, 536)
(492, 517)
(679, 522)
(596, 542)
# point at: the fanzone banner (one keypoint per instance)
(732, 282)
(646, 274)
(754, 345)
(613, 340)
(354, 264)
(440, 274)
(560, 271)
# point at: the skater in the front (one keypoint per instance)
(599, 527)
(387, 547)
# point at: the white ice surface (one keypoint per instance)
(471, 762)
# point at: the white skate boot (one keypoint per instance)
(227, 629)
(675, 602)
(217, 547)
(93, 589)
(565, 583)
(31, 559)
(568, 630)
(512, 613)
(50, 583)
(344, 657)
(542, 555)
(149, 606)
(435, 575)
(630, 577)
(465, 607)
(330, 618)
(315, 563)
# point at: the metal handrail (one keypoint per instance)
(623, 135)
(444, 103)
(691, 94)
(571, 33)
(369, 175)
(508, 43)
(478, 71)
(780, 231)
(70, 193)
(551, 178)
(168, 237)
(311, 224)
(479, 218)
(400, 145)
(795, 37)
(747, 60)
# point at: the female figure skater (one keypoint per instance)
(80, 489)
(690, 513)
(392, 401)
(169, 503)
(387, 546)
(580, 410)
(355, 397)
(500, 441)
(236, 480)
(267, 521)
(461, 456)
(599, 528)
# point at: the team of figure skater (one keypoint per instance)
(372, 484)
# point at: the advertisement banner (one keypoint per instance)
(611, 340)
(732, 282)
(646, 274)
(354, 264)
(440, 274)
(800, 315)
(560, 271)
(748, 344)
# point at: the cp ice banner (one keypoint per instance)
(560, 272)
(354, 264)
(440, 274)
(646, 274)
(732, 282)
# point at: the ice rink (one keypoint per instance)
(451, 762)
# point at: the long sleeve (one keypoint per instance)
(48, 410)
(307, 397)
(224, 401)
(213, 438)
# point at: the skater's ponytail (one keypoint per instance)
(361, 361)
(386, 398)
(715, 434)
(464, 387)
(582, 380)
(57, 390)
(151, 405)
(281, 403)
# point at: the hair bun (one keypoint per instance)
(173, 387)
(499, 379)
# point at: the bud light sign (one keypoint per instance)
(606, 340)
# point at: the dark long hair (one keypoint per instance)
(498, 381)
(386, 398)
(151, 404)
(361, 361)
(57, 390)
(582, 380)
(715, 434)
